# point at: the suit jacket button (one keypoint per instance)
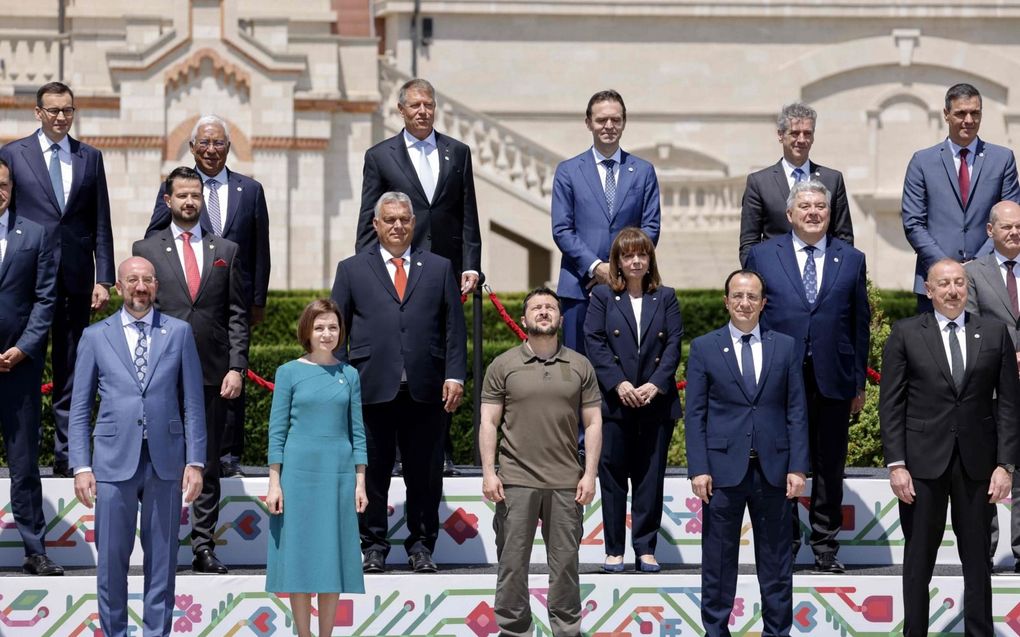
(140, 421)
(657, 359)
(616, 359)
(662, 335)
(616, 332)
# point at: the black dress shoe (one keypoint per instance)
(206, 562)
(41, 565)
(231, 470)
(375, 562)
(827, 564)
(450, 469)
(422, 562)
(62, 471)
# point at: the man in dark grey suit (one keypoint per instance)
(763, 209)
(201, 283)
(992, 293)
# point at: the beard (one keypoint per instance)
(534, 330)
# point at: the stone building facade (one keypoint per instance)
(309, 85)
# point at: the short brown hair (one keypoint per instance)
(312, 311)
(629, 241)
(54, 88)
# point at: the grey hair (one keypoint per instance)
(790, 112)
(210, 120)
(808, 185)
(417, 84)
(393, 197)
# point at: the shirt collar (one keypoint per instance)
(960, 320)
(1002, 259)
(410, 140)
(222, 176)
(196, 232)
(799, 244)
(5, 218)
(127, 319)
(387, 255)
(788, 168)
(599, 157)
(736, 334)
(529, 355)
(45, 142)
(953, 146)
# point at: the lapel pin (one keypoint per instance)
(212, 247)
(630, 169)
(617, 298)
(18, 231)
(162, 331)
(977, 336)
(341, 381)
(446, 158)
(169, 249)
(238, 189)
(725, 349)
(653, 298)
(835, 259)
(418, 264)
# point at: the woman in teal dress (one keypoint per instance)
(317, 464)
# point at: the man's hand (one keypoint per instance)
(191, 485)
(10, 358)
(646, 393)
(492, 486)
(100, 296)
(1000, 485)
(85, 487)
(360, 495)
(452, 393)
(468, 282)
(585, 490)
(231, 386)
(902, 485)
(628, 395)
(857, 404)
(274, 498)
(601, 273)
(256, 314)
(794, 485)
(702, 485)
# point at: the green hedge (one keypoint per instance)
(274, 343)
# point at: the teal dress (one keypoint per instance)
(318, 436)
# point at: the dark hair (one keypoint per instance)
(542, 291)
(744, 272)
(4, 164)
(608, 95)
(312, 311)
(958, 91)
(181, 172)
(52, 88)
(629, 241)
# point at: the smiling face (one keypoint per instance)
(185, 202)
(964, 119)
(606, 124)
(744, 301)
(541, 316)
(947, 288)
(809, 216)
(210, 149)
(325, 333)
(395, 227)
(797, 140)
(136, 282)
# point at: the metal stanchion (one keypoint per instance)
(476, 363)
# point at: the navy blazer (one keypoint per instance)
(934, 220)
(610, 336)
(247, 225)
(28, 289)
(447, 225)
(424, 334)
(80, 237)
(837, 327)
(581, 223)
(723, 418)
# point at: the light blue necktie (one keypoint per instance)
(810, 275)
(213, 209)
(56, 178)
(141, 353)
(610, 184)
(428, 181)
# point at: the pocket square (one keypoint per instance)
(219, 263)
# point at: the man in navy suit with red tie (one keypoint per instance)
(60, 183)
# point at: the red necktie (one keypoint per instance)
(399, 277)
(190, 265)
(964, 176)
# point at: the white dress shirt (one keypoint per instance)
(972, 147)
(5, 218)
(819, 256)
(431, 155)
(788, 169)
(599, 158)
(64, 156)
(1004, 271)
(196, 245)
(738, 344)
(222, 190)
(961, 335)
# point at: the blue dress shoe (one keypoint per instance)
(644, 567)
(612, 568)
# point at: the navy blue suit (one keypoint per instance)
(81, 242)
(27, 294)
(421, 337)
(724, 421)
(832, 338)
(634, 441)
(584, 229)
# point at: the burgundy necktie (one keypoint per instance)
(1011, 286)
(964, 176)
(190, 265)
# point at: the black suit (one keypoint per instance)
(447, 225)
(218, 318)
(81, 242)
(763, 208)
(951, 441)
(424, 336)
(247, 225)
(27, 293)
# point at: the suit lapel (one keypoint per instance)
(988, 269)
(34, 158)
(788, 260)
(210, 251)
(399, 151)
(951, 172)
(975, 172)
(650, 306)
(624, 182)
(157, 341)
(173, 259)
(932, 336)
(779, 176)
(974, 340)
(768, 348)
(729, 356)
(114, 332)
(77, 170)
(833, 261)
(590, 172)
(626, 309)
(413, 275)
(376, 265)
(443, 150)
(14, 240)
(234, 193)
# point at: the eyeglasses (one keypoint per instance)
(203, 144)
(53, 112)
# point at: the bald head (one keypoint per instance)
(1004, 228)
(136, 282)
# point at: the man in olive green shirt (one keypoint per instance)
(536, 392)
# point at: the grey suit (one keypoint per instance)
(987, 296)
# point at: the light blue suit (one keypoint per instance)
(126, 470)
(584, 229)
(936, 223)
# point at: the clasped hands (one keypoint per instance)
(636, 396)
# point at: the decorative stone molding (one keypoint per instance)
(289, 143)
(181, 72)
(125, 141)
(330, 105)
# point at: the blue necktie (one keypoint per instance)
(214, 206)
(610, 184)
(810, 275)
(798, 175)
(747, 364)
(141, 353)
(56, 178)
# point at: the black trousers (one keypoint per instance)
(634, 452)
(232, 443)
(205, 510)
(418, 429)
(828, 433)
(70, 318)
(20, 413)
(924, 523)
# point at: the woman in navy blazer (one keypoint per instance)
(632, 334)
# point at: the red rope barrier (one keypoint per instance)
(503, 314)
(261, 382)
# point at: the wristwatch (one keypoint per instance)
(1008, 467)
(241, 371)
